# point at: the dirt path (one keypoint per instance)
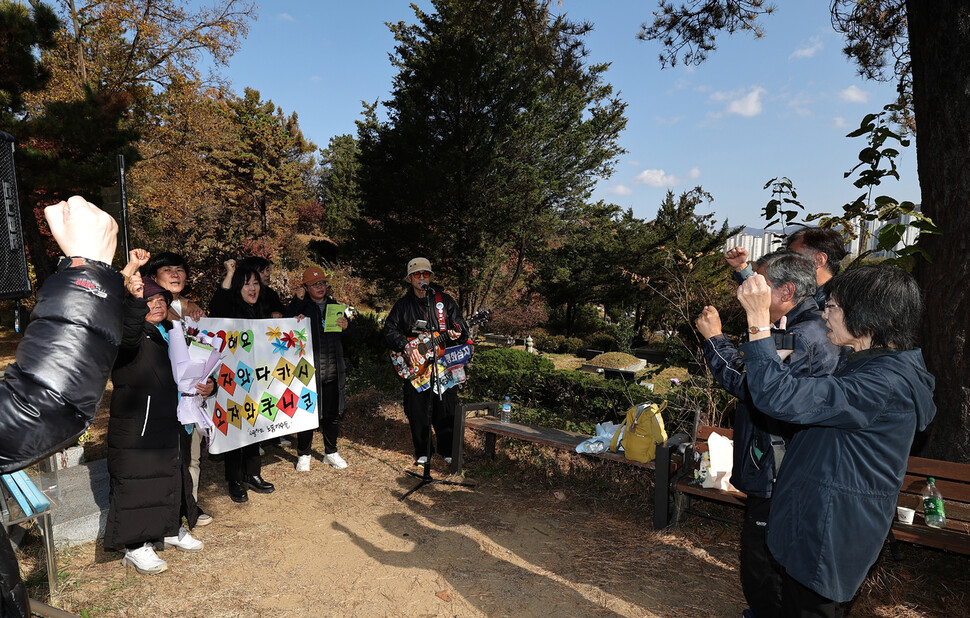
(342, 543)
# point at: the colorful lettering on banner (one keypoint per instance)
(308, 400)
(287, 403)
(264, 375)
(235, 413)
(422, 383)
(284, 371)
(457, 355)
(246, 339)
(219, 419)
(227, 379)
(266, 387)
(267, 406)
(244, 375)
(303, 371)
(222, 335)
(250, 409)
(449, 377)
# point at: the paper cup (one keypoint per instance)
(905, 515)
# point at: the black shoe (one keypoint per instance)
(237, 491)
(257, 484)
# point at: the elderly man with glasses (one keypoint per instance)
(411, 316)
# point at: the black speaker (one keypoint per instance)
(14, 280)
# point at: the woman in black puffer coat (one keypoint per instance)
(239, 297)
(147, 446)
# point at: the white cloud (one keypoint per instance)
(741, 103)
(749, 105)
(807, 50)
(854, 94)
(660, 178)
(840, 122)
(619, 190)
(668, 121)
(285, 17)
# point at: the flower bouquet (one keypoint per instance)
(194, 355)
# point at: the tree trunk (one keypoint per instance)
(939, 39)
(35, 242)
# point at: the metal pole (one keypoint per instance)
(124, 202)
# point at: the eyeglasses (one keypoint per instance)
(422, 274)
(319, 284)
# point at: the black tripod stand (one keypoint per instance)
(426, 478)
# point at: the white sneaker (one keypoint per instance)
(335, 460)
(184, 541)
(303, 463)
(144, 560)
(285, 441)
(421, 461)
(204, 519)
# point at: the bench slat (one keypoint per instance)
(554, 438)
(939, 469)
(730, 497)
(931, 537)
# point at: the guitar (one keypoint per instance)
(431, 346)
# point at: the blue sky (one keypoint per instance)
(758, 108)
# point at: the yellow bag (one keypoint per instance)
(641, 432)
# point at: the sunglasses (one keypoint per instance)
(422, 274)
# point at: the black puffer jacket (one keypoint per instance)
(51, 393)
(147, 446)
(398, 326)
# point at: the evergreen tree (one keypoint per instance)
(495, 127)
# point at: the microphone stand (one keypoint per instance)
(426, 478)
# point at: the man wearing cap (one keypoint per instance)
(409, 317)
(331, 371)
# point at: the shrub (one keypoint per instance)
(491, 361)
(602, 341)
(557, 344)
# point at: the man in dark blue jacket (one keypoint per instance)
(760, 441)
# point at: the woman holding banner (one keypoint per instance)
(148, 448)
(238, 297)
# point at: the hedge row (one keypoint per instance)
(578, 399)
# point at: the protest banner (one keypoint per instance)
(266, 385)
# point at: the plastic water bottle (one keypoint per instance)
(506, 411)
(933, 505)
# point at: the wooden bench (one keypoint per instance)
(490, 425)
(684, 487)
(952, 479)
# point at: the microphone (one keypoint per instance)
(425, 286)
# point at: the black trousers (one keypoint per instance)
(328, 407)
(798, 601)
(242, 463)
(760, 576)
(420, 408)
